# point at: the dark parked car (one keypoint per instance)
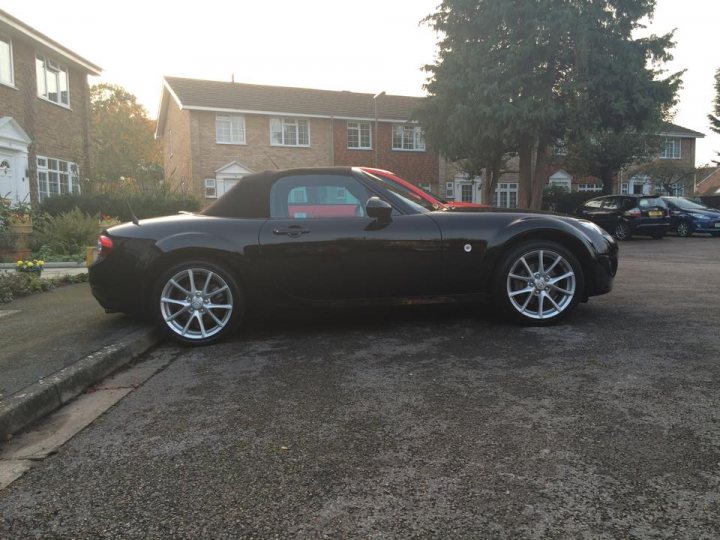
(688, 217)
(626, 215)
(338, 235)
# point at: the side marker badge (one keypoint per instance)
(468, 248)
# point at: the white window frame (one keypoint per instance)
(590, 188)
(675, 152)
(286, 122)
(53, 66)
(624, 188)
(507, 188)
(235, 130)
(66, 172)
(11, 80)
(407, 138)
(210, 188)
(357, 127)
(425, 185)
(450, 191)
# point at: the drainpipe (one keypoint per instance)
(375, 142)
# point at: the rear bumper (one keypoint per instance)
(115, 291)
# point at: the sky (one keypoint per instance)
(368, 46)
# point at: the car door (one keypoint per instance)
(319, 244)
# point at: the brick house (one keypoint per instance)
(216, 132)
(679, 145)
(44, 114)
(708, 182)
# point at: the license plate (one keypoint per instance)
(717, 224)
(655, 213)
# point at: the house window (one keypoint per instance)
(56, 177)
(425, 186)
(506, 195)
(358, 135)
(210, 188)
(289, 132)
(672, 149)
(466, 192)
(6, 61)
(624, 188)
(52, 81)
(591, 187)
(230, 129)
(450, 190)
(408, 138)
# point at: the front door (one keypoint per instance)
(13, 184)
(320, 245)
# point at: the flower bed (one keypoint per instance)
(16, 284)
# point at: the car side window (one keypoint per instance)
(594, 203)
(612, 203)
(318, 196)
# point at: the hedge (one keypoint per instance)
(144, 205)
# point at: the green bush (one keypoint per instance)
(16, 284)
(562, 201)
(67, 234)
(144, 205)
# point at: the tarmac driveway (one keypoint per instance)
(418, 422)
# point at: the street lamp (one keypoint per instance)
(375, 98)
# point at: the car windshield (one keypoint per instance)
(408, 197)
(687, 204)
(647, 202)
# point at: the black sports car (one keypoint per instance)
(343, 235)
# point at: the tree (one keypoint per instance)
(714, 118)
(123, 149)
(671, 176)
(516, 75)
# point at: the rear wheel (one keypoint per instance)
(622, 231)
(538, 283)
(197, 302)
(684, 229)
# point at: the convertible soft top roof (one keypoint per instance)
(250, 197)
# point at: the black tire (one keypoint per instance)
(715, 234)
(529, 308)
(684, 229)
(189, 290)
(622, 231)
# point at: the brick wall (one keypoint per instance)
(257, 154)
(177, 148)
(414, 166)
(56, 131)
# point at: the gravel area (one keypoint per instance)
(427, 422)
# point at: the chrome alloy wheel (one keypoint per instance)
(196, 303)
(541, 284)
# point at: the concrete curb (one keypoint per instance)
(11, 266)
(37, 400)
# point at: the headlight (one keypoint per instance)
(699, 216)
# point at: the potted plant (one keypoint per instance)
(28, 266)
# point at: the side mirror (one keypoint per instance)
(378, 209)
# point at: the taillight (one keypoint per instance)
(634, 212)
(104, 245)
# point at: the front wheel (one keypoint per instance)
(539, 283)
(684, 229)
(197, 302)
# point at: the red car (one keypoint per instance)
(417, 194)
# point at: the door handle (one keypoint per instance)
(293, 231)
